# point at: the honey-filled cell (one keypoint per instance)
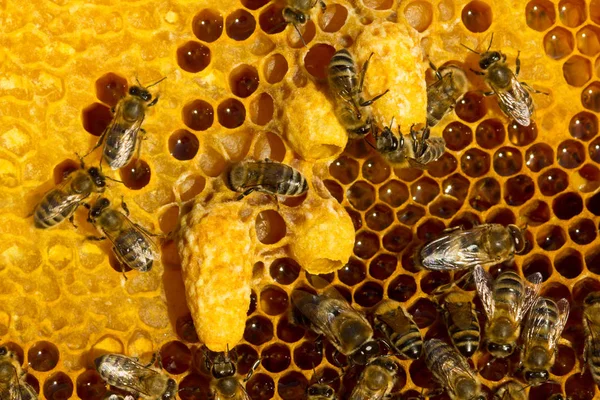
(207, 25)
(584, 126)
(240, 25)
(243, 80)
(110, 88)
(477, 16)
(572, 13)
(577, 71)
(262, 109)
(193, 57)
(95, 118)
(558, 43)
(58, 386)
(540, 14)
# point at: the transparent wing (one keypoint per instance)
(145, 251)
(65, 198)
(448, 364)
(135, 378)
(533, 285)
(539, 322)
(121, 139)
(561, 321)
(483, 283)
(515, 102)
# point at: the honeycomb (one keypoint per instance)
(230, 68)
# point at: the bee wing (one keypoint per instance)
(143, 253)
(515, 102)
(451, 367)
(397, 320)
(68, 201)
(135, 377)
(561, 321)
(361, 392)
(532, 290)
(461, 314)
(123, 136)
(483, 283)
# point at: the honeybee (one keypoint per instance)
(347, 88)
(296, 12)
(543, 328)
(452, 371)
(505, 301)
(226, 386)
(377, 380)
(321, 390)
(12, 384)
(484, 245)
(131, 243)
(127, 374)
(462, 322)
(510, 391)
(347, 329)
(399, 328)
(266, 176)
(61, 202)
(116, 396)
(513, 96)
(122, 136)
(443, 94)
(591, 325)
(414, 150)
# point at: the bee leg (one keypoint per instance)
(153, 102)
(124, 207)
(155, 356)
(532, 89)
(438, 75)
(477, 72)
(246, 193)
(323, 5)
(251, 372)
(299, 34)
(487, 94)
(518, 69)
(71, 220)
(95, 238)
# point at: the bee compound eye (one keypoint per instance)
(329, 393)
(3, 351)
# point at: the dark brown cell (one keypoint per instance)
(243, 80)
(502, 216)
(507, 161)
(276, 358)
(361, 195)
(262, 109)
(518, 190)
(43, 356)
(558, 43)
(273, 300)
(254, 4)
(577, 71)
(424, 190)
(580, 386)
(538, 263)
(271, 19)
(408, 174)
(231, 113)
(595, 11)
(593, 204)
(535, 213)
(246, 357)
(485, 194)
(292, 386)
(471, 107)
(308, 355)
(366, 244)
(368, 294)
(424, 313)
(556, 291)
(433, 280)
(356, 218)
(185, 329)
(444, 165)
(457, 136)
(490, 133)
(284, 270)
(136, 174)
(394, 193)
(64, 169)
(317, 59)
(590, 96)
(411, 214)
(591, 178)
(258, 330)
(583, 126)
(382, 266)
(592, 260)
(491, 368)
(539, 156)
(456, 186)
(421, 376)
(333, 18)
(240, 25)
(445, 207)
(430, 229)
(402, 288)
(466, 220)
(477, 16)
(15, 348)
(207, 25)
(289, 332)
(353, 272)
(260, 387)
(90, 385)
(110, 88)
(520, 135)
(183, 145)
(570, 154)
(583, 231)
(583, 287)
(198, 115)
(567, 205)
(572, 12)
(193, 56)
(58, 386)
(358, 148)
(376, 170)
(540, 15)
(33, 382)
(569, 263)
(379, 217)
(475, 163)
(553, 181)
(194, 387)
(408, 258)
(95, 118)
(396, 239)
(544, 391)
(344, 169)
(253, 302)
(336, 191)
(270, 227)
(588, 40)
(175, 357)
(551, 237)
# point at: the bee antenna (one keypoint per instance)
(138, 81)
(392, 122)
(300, 34)
(491, 39)
(156, 83)
(470, 49)
(81, 162)
(113, 179)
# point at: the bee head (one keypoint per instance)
(500, 350)
(387, 141)
(321, 390)
(592, 298)
(294, 17)
(100, 205)
(518, 238)
(222, 370)
(97, 177)
(488, 58)
(536, 377)
(171, 390)
(140, 92)
(366, 352)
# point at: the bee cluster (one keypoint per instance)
(352, 338)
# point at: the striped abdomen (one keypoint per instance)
(508, 291)
(133, 249)
(55, 207)
(268, 177)
(545, 312)
(436, 146)
(342, 74)
(401, 331)
(463, 327)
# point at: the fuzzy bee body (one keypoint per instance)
(463, 325)
(266, 176)
(452, 371)
(377, 380)
(12, 382)
(225, 385)
(443, 94)
(296, 11)
(543, 328)
(413, 151)
(320, 391)
(511, 390)
(399, 328)
(127, 374)
(591, 324)
(61, 202)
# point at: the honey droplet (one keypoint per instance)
(183, 145)
(43, 356)
(95, 118)
(207, 25)
(231, 113)
(477, 16)
(90, 386)
(111, 88)
(175, 357)
(136, 174)
(58, 386)
(193, 57)
(284, 270)
(240, 25)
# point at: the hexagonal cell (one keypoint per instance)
(402, 288)
(490, 133)
(198, 115)
(368, 294)
(457, 136)
(419, 15)
(485, 194)
(430, 229)
(192, 186)
(136, 174)
(64, 169)
(590, 178)
(305, 34)
(43, 356)
(397, 238)
(570, 154)
(376, 169)
(284, 270)
(588, 40)
(583, 126)
(477, 16)
(273, 300)
(258, 330)
(590, 97)
(443, 166)
(95, 118)
(183, 145)
(502, 216)
(424, 190)
(240, 25)
(553, 181)
(535, 213)
(540, 15)
(394, 192)
(539, 156)
(262, 109)
(558, 43)
(175, 357)
(456, 186)
(379, 4)
(110, 88)
(538, 263)
(207, 25)
(445, 207)
(243, 80)
(308, 355)
(90, 385)
(383, 266)
(361, 195)
(366, 245)
(317, 59)
(471, 107)
(270, 227)
(336, 191)
(352, 273)
(275, 67)
(572, 13)
(593, 204)
(475, 163)
(379, 217)
(333, 18)
(424, 313)
(292, 386)
(551, 237)
(271, 19)
(465, 220)
(577, 71)
(58, 386)
(411, 214)
(518, 190)
(520, 135)
(193, 57)
(344, 169)
(580, 386)
(231, 113)
(507, 161)
(569, 263)
(594, 150)
(567, 205)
